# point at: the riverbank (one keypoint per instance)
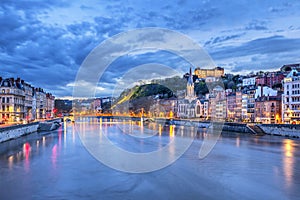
(16, 131)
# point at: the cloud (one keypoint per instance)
(269, 45)
(45, 43)
(220, 39)
(257, 25)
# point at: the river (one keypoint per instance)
(57, 165)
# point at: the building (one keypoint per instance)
(231, 104)
(238, 106)
(291, 98)
(244, 107)
(268, 109)
(217, 104)
(248, 103)
(164, 108)
(270, 79)
(40, 103)
(49, 105)
(188, 107)
(12, 100)
(29, 109)
(249, 81)
(265, 91)
(289, 67)
(20, 102)
(205, 108)
(203, 73)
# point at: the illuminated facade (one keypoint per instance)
(49, 105)
(217, 104)
(203, 73)
(20, 101)
(291, 98)
(12, 100)
(268, 109)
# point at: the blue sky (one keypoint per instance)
(45, 42)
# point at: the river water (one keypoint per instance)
(56, 165)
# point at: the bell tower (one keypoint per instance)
(190, 92)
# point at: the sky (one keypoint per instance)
(46, 42)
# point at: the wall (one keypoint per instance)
(12, 132)
(281, 129)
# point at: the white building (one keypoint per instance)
(291, 98)
(267, 91)
(244, 106)
(217, 104)
(12, 102)
(249, 81)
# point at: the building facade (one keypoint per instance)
(49, 105)
(270, 79)
(291, 98)
(268, 109)
(12, 100)
(188, 107)
(20, 102)
(203, 73)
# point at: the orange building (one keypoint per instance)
(268, 109)
(203, 73)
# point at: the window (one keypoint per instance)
(3, 91)
(3, 99)
(7, 100)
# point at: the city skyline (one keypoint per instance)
(45, 43)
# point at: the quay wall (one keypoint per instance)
(12, 132)
(288, 130)
(15, 131)
(226, 126)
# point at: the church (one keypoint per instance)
(190, 105)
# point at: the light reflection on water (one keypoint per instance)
(40, 153)
(288, 161)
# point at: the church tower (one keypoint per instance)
(190, 92)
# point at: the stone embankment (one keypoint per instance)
(15, 131)
(288, 130)
(226, 126)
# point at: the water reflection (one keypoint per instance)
(237, 141)
(237, 162)
(288, 161)
(10, 161)
(26, 154)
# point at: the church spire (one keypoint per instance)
(190, 80)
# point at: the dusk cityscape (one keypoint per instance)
(149, 100)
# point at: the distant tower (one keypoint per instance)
(190, 93)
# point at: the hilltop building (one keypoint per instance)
(203, 73)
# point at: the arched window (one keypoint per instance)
(198, 109)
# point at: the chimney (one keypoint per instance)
(12, 80)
